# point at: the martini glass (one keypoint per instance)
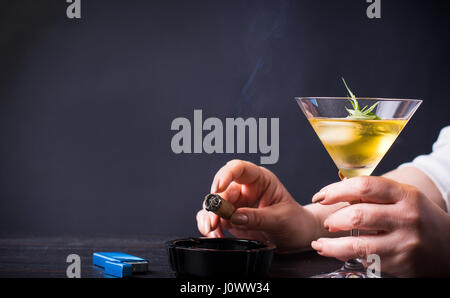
(356, 146)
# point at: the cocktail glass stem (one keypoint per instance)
(352, 264)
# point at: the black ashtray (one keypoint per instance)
(219, 257)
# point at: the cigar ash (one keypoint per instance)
(215, 203)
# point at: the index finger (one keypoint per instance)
(242, 172)
(362, 189)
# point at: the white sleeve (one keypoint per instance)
(436, 165)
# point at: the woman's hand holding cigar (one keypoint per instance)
(263, 209)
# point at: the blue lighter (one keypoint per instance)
(119, 264)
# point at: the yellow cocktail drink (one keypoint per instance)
(357, 146)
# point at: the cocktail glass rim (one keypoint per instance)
(358, 98)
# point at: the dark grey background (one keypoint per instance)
(86, 105)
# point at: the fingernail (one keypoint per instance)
(318, 197)
(239, 219)
(316, 245)
(325, 224)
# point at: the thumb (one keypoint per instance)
(255, 218)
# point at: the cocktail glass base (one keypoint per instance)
(351, 269)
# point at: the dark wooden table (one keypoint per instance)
(46, 257)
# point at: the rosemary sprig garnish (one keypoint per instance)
(357, 114)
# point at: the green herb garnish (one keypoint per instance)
(356, 113)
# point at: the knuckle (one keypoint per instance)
(235, 162)
(266, 177)
(413, 245)
(412, 208)
(411, 253)
(266, 171)
(256, 221)
(356, 217)
(413, 219)
(412, 194)
(360, 248)
(364, 185)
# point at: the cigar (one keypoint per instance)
(221, 207)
